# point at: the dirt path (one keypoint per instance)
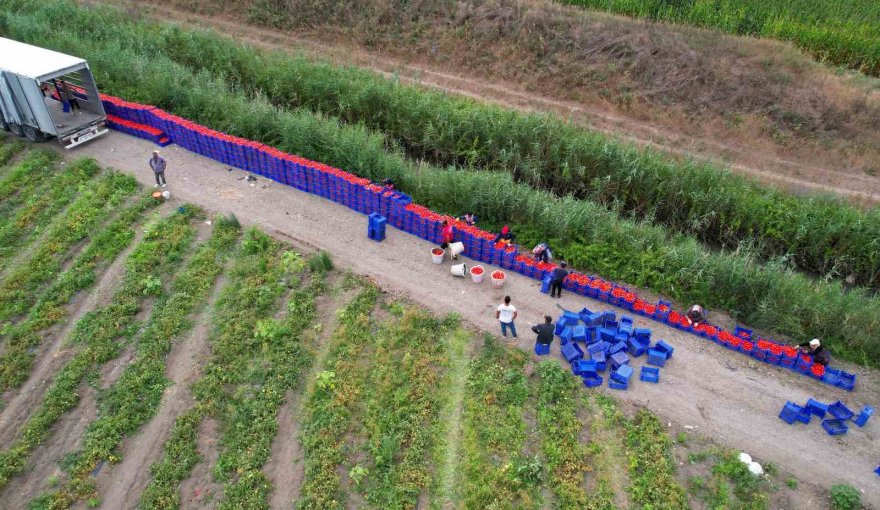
(121, 486)
(705, 386)
(757, 161)
(200, 491)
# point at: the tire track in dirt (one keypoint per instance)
(461, 351)
(286, 466)
(53, 353)
(859, 187)
(120, 486)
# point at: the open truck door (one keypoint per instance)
(35, 84)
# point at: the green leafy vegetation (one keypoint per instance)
(135, 397)
(842, 32)
(730, 484)
(8, 150)
(769, 295)
(99, 335)
(845, 497)
(651, 466)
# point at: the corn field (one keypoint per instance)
(842, 32)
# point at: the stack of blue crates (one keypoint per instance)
(376, 228)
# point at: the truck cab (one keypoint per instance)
(45, 94)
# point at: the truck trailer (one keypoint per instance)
(34, 85)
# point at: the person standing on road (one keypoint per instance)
(556, 278)
(506, 314)
(158, 166)
(545, 331)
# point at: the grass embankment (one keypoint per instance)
(99, 335)
(134, 399)
(254, 360)
(50, 309)
(842, 32)
(22, 178)
(814, 234)
(767, 296)
(8, 150)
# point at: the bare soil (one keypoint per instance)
(721, 394)
(761, 107)
(200, 491)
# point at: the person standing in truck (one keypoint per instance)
(158, 165)
(68, 95)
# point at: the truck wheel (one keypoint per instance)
(3, 125)
(16, 129)
(34, 135)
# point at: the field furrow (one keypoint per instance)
(51, 308)
(98, 335)
(134, 399)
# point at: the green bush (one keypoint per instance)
(845, 497)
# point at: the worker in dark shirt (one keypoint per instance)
(696, 315)
(814, 349)
(556, 278)
(545, 331)
(506, 236)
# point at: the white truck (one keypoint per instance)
(34, 85)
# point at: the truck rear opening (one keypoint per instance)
(46, 94)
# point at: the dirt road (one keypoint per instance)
(757, 160)
(718, 392)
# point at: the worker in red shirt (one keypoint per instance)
(446, 237)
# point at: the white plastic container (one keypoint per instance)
(498, 282)
(477, 276)
(456, 248)
(437, 255)
(459, 270)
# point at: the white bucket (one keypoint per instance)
(497, 283)
(477, 278)
(437, 259)
(459, 270)
(456, 248)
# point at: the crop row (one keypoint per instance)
(20, 180)
(92, 206)
(495, 471)
(135, 398)
(50, 309)
(816, 234)
(328, 407)
(98, 335)
(41, 205)
(255, 359)
(558, 394)
(651, 466)
(767, 296)
(843, 32)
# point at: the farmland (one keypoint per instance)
(766, 294)
(839, 32)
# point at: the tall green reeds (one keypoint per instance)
(817, 234)
(764, 295)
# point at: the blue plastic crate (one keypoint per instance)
(832, 376)
(593, 381)
(566, 334)
(542, 349)
(642, 333)
(621, 336)
(571, 352)
(617, 347)
(611, 324)
(862, 418)
(737, 332)
(618, 359)
(570, 318)
(846, 381)
(583, 367)
(840, 411)
(600, 360)
(545, 284)
(594, 319)
(617, 385)
(817, 408)
(600, 346)
(606, 334)
(790, 412)
(579, 333)
(664, 348)
(608, 315)
(635, 347)
(835, 426)
(650, 374)
(376, 235)
(656, 358)
(559, 327)
(622, 374)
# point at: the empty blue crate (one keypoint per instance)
(817, 408)
(542, 349)
(579, 333)
(635, 347)
(840, 411)
(835, 426)
(643, 334)
(862, 418)
(618, 359)
(617, 347)
(622, 374)
(593, 319)
(846, 381)
(607, 334)
(584, 367)
(790, 412)
(600, 346)
(593, 381)
(617, 385)
(665, 348)
(600, 360)
(566, 334)
(656, 358)
(545, 284)
(650, 374)
(571, 352)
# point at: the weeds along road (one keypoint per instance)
(720, 393)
